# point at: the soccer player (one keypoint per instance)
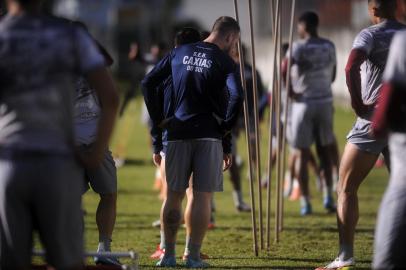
(390, 235)
(102, 179)
(202, 72)
(370, 50)
(40, 183)
(313, 71)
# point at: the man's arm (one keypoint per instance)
(353, 77)
(236, 98)
(380, 118)
(102, 82)
(150, 85)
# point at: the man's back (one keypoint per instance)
(199, 76)
(41, 59)
(314, 60)
(375, 41)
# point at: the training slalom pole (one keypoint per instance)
(271, 123)
(287, 102)
(256, 125)
(130, 255)
(247, 129)
(277, 119)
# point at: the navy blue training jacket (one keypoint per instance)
(206, 92)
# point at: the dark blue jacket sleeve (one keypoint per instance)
(151, 86)
(234, 87)
(227, 143)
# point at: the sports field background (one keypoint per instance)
(306, 242)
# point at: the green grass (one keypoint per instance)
(305, 243)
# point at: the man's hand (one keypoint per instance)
(156, 158)
(227, 161)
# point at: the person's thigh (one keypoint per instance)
(301, 126)
(208, 166)
(57, 209)
(390, 234)
(103, 179)
(178, 165)
(15, 215)
(354, 168)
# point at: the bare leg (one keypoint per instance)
(355, 166)
(106, 218)
(302, 171)
(199, 219)
(172, 214)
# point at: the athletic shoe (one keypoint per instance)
(158, 253)
(329, 204)
(107, 261)
(156, 223)
(211, 226)
(202, 256)
(190, 263)
(167, 262)
(338, 264)
(306, 210)
(243, 207)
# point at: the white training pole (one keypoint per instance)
(256, 126)
(130, 254)
(247, 129)
(277, 108)
(287, 102)
(274, 15)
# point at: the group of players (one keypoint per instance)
(52, 137)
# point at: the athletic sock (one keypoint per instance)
(162, 243)
(327, 192)
(237, 197)
(194, 251)
(346, 252)
(187, 243)
(304, 201)
(169, 249)
(104, 244)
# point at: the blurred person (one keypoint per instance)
(313, 71)
(102, 179)
(40, 189)
(389, 116)
(202, 117)
(367, 60)
(390, 234)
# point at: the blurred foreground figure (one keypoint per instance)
(370, 49)
(207, 98)
(390, 234)
(40, 183)
(103, 178)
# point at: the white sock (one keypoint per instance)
(162, 243)
(187, 242)
(237, 197)
(346, 252)
(104, 245)
(304, 200)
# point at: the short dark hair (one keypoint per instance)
(225, 25)
(310, 19)
(386, 6)
(187, 35)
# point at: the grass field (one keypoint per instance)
(305, 243)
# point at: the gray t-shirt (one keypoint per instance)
(314, 60)
(395, 71)
(375, 41)
(86, 113)
(41, 59)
